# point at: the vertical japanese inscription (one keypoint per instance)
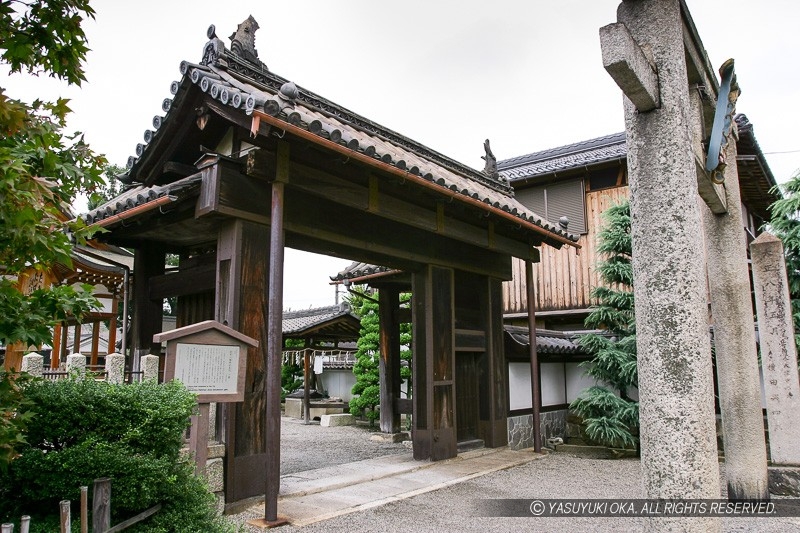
(207, 369)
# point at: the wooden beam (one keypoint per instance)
(552, 239)
(183, 282)
(377, 197)
(364, 231)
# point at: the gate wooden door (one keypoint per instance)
(467, 397)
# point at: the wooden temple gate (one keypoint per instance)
(290, 168)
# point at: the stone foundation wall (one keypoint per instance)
(520, 428)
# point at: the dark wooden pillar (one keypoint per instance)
(148, 261)
(494, 378)
(389, 365)
(434, 354)
(275, 337)
(242, 262)
(536, 399)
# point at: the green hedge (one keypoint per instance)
(84, 430)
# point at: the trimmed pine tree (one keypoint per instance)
(611, 417)
(366, 401)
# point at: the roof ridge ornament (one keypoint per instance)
(490, 170)
(491, 161)
(243, 41)
(214, 50)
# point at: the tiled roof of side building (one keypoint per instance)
(358, 270)
(297, 321)
(242, 83)
(562, 158)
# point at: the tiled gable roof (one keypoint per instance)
(297, 322)
(241, 84)
(564, 158)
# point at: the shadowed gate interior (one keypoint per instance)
(289, 168)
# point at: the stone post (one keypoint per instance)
(778, 350)
(149, 367)
(33, 364)
(735, 343)
(115, 368)
(76, 363)
(676, 409)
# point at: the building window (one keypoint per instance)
(555, 200)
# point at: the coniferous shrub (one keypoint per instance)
(366, 368)
(610, 416)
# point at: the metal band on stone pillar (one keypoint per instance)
(275, 339)
(534, 355)
(735, 344)
(676, 413)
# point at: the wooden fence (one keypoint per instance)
(101, 512)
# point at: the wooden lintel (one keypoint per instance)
(346, 228)
(712, 193)
(370, 198)
(187, 281)
(630, 68)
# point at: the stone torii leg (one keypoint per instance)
(678, 437)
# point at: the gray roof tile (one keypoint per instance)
(260, 89)
(564, 158)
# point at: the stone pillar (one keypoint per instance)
(676, 409)
(115, 368)
(33, 364)
(778, 350)
(149, 367)
(76, 363)
(735, 343)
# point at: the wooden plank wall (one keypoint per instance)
(563, 277)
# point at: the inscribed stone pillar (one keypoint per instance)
(735, 344)
(676, 413)
(33, 364)
(115, 368)
(778, 350)
(150, 367)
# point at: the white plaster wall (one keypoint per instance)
(577, 380)
(519, 384)
(338, 383)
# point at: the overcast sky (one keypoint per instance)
(526, 74)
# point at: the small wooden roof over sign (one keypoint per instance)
(204, 326)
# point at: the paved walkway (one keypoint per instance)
(321, 494)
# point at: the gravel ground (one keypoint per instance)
(308, 447)
(455, 508)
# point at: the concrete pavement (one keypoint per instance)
(321, 494)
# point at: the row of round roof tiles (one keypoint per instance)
(233, 93)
